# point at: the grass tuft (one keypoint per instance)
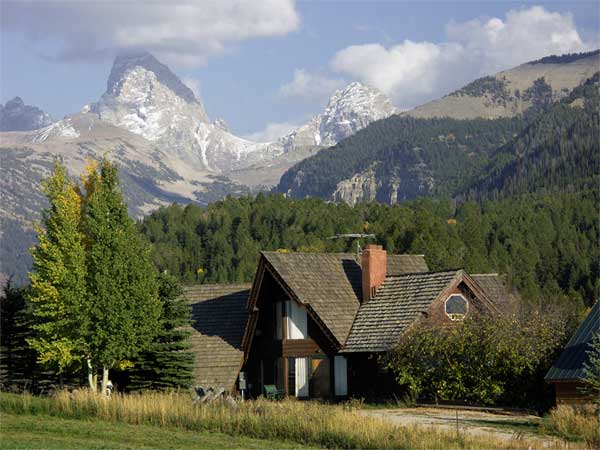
(575, 423)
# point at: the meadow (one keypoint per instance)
(278, 424)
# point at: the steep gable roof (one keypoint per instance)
(497, 290)
(219, 318)
(569, 366)
(330, 284)
(399, 301)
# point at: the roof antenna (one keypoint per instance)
(353, 236)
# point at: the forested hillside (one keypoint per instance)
(558, 152)
(548, 245)
(407, 156)
(553, 146)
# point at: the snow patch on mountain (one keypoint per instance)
(61, 129)
(348, 110)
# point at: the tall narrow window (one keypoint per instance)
(301, 377)
(340, 368)
(296, 320)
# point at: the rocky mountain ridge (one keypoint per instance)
(167, 148)
(15, 115)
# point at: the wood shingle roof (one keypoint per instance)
(331, 283)
(399, 301)
(497, 290)
(219, 318)
(569, 366)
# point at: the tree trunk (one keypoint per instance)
(91, 377)
(105, 381)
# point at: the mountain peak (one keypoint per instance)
(16, 102)
(15, 115)
(128, 61)
(361, 99)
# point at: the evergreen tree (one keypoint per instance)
(17, 359)
(168, 362)
(591, 368)
(124, 306)
(58, 289)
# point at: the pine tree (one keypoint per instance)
(591, 368)
(58, 289)
(168, 363)
(17, 359)
(124, 305)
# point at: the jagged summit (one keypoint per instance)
(127, 61)
(15, 115)
(349, 109)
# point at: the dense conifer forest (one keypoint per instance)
(546, 244)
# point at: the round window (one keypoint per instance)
(456, 307)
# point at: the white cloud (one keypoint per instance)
(183, 33)
(194, 84)
(272, 132)
(414, 72)
(309, 86)
(525, 35)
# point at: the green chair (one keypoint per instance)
(272, 393)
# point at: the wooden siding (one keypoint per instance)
(569, 393)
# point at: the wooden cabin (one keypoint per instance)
(314, 323)
(567, 373)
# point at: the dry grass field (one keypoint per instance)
(301, 423)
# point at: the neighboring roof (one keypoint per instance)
(219, 319)
(402, 264)
(399, 301)
(497, 290)
(329, 283)
(569, 366)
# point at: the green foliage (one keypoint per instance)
(484, 360)
(591, 368)
(17, 359)
(124, 308)
(93, 291)
(168, 362)
(486, 85)
(565, 58)
(58, 288)
(548, 245)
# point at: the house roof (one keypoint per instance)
(331, 283)
(402, 264)
(497, 290)
(398, 303)
(219, 318)
(569, 366)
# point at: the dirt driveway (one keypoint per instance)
(503, 426)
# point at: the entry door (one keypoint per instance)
(319, 378)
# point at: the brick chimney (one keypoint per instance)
(374, 267)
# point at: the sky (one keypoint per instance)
(266, 66)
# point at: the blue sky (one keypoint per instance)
(268, 65)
